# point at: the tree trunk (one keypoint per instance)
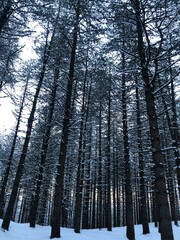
(143, 208)
(81, 156)
(44, 148)
(56, 216)
(108, 170)
(94, 197)
(79, 183)
(164, 216)
(87, 199)
(114, 181)
(160, 183)
(100, 200)
(175, 130)
(128, 188)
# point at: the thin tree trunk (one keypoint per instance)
(86, 205)
(118, 190)
(170, 182)
(44, 148)
(143, 201)
(79, 183)
(100, 200)
(6, 175)
(108, 170)
(123, 204)
(56, 216)
(154, 209)
(175, 132)
(81, 156)
(114, 180)
(128, 188)
(94, 197)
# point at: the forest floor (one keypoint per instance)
(24, 232)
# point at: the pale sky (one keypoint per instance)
(7, 119)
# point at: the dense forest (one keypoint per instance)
(96, 139)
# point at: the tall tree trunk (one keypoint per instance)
(86, 205)
(170, 183)
(160, 183)
(56, 216)
(79, 181)
(114, 181)
(100, 200)
(44, 148)
(81, 156)
(19, 172)
(94, 197)
(118, 192)
(108, 170)
(175, 130)
(128, 188)
(6, 175)
(143, 208)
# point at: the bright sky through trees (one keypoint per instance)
(7, 119)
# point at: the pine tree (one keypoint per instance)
(160, 184)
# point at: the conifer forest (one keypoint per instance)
(95, 91)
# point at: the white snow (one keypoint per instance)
(24, 232)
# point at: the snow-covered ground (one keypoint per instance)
(24, 232)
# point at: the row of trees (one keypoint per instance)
(101, 142)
